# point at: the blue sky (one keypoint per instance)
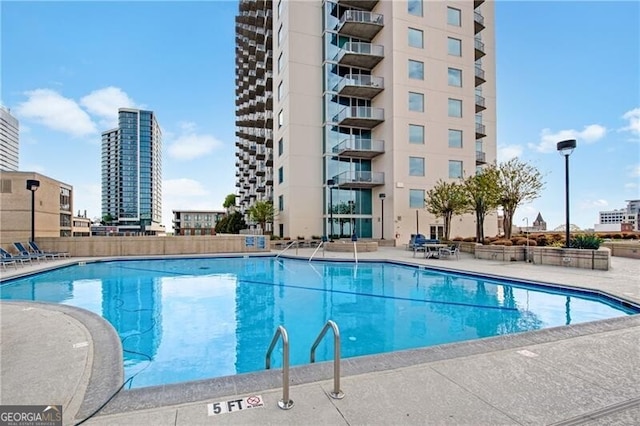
(564, 70)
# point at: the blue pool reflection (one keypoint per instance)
(190, 319)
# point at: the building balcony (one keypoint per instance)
(360, 86)
(477, 3)
(364, 117)
(481, 158)
(480, 103)
(269, 160)
(481, 130)
(360, 24)
(359, 148)
(361, 55)
(261, 152)
(479, 75)
(359, 179)
(252, 148)
(478, 22)
(360, 4)
(478, 47)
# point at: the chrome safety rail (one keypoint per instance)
(285, 403)
(336, 393)
(287, 247)
(316, 250)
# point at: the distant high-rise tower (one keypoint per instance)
(349, 111)
(132, 172)
(9, 141)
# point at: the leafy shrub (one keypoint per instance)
(630, 236)
(586, 241)
(616, 236)
(542, 240)
(605, 235)
(275, 238)
(469, 240)
(502, 243)
(486, 241)
(457, 238)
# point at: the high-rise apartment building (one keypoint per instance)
(132, 172)
(349, 111)
(9, 141)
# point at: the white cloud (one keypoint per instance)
(587, 204)
(189, 145)
(184, 188)
(105, 102)
(633, 116)
(634, 171)
(548, 140)
(630, 185)
(507, 152)
(53, 110)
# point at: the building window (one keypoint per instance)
(416, 198)
(455, 108)
(280, 146)
(280, 118)
(414, 7)
(454, 16)
(416, 134)
(454, 46)
(416, 38)
(416, 70)
(280, 35)
(280, 62)
(280, 90)
(455, 77)
(455, 169)
(281, 229)
(416, 102)
(416, 166)
(280, 202)
(280, 175)
(455, 138)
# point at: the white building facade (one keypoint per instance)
(9, 141)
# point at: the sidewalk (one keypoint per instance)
(581, 374)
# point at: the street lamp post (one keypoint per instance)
(382, 197)
(33, 185)
(565, 148)
(330, 184)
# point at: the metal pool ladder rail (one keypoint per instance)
(285, 403)
(287, 247)
(336, 393)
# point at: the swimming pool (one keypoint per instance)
(188, 319)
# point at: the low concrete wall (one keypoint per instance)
(150, 245)
(347, 246)
(575, 258)
(627, 249)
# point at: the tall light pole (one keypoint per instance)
(565, 148)
(382, 197)
(330, 184)
(33, 185)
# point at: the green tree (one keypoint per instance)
(107, 219)
(483, 191)
(446, 199)
(519, 183)
(261, 212)
(231, 224)
(229, 201)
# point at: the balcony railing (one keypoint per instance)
(367, 117)
(360, 24)
(361, 4)
(479, 73)
(479, 48)
(478, 22)
(481, 130)
(359, 148)
(358, 85)
(359, 179)
(480, 103)
(360, 54)
(481, 157)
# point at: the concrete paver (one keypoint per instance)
(564, 375)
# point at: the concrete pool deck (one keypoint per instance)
(581, 374)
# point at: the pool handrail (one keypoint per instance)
(316, 250)
(336, 393)
(287, 247)
(285, 403)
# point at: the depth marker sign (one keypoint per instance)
(233, 405)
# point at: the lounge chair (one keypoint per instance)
(6, 262)
(37, 250)
(9, 257)
(24, 252)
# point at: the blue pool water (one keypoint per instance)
(190, 319)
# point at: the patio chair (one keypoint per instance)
(5, 255)
(6, 262)
(453, 250)
(24, 252)
(37, 250)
